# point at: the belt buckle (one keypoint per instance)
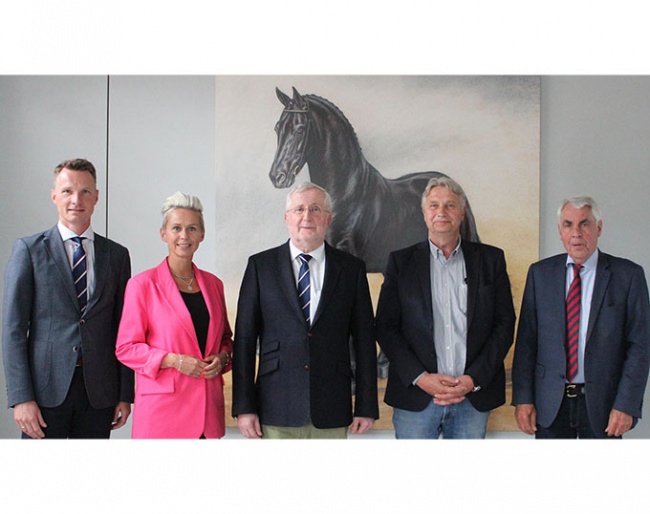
(571, 391)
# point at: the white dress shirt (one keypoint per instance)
(89, 248)
(587, 280)
(316, 273)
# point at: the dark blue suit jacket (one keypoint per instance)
(304, 372)
(616, 351)
(405, 324)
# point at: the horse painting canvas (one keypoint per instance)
(483, 131)
(372, 215)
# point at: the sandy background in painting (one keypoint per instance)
(481, 131)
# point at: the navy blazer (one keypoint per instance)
(616, 351)
(304, 372)
(405, 324)
(43, 329)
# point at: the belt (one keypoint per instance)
(574, 390)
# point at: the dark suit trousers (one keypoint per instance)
(75, 418)
(572, 422)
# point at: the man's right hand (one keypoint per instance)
(29, 419)
(526, 417)
(249, 426)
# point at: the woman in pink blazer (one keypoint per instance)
(175, 335)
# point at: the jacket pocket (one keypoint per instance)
(269, 365)
(163, 384)
(269, 346)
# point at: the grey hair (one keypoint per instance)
(579, 202)
(306, 186)
(449, 183)
(182, 201)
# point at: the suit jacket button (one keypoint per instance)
(75, 349)
(82, 322)
(306, 367)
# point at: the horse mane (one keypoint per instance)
(327, 104)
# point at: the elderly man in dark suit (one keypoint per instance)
(581, 356)
(308, 307)
(445, 320)
(63, 300)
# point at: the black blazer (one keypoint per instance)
(405, 324)
(616, 351)
(304, 372)
(44, 329)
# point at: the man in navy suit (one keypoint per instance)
(60, 324)
(445, 320)
(302, 386)
(596, 390)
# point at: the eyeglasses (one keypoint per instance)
(314, 210)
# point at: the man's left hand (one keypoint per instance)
(122, 413)
(619, 423)
(361, 425)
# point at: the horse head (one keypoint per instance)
(292, 130)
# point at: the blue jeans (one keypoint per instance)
(458, 421)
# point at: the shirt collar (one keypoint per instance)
(66, 233)
(317, 254)
(590, 263)
(437, 252)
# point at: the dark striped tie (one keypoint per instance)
(573, 302)
(79, 273)
(304, 292)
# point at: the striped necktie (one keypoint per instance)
(79, 273)
(304, 293)
(573, 302)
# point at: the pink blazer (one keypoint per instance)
(155, 322)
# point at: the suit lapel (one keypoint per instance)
(210, 297)
(422, 258)
(102, 259)
(55, 247)
(171, 294)
(472, 266)
(287, 280)
(330, 280)
(600, 287)
(557, 299)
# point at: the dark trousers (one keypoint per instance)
(75, 418)
(571, 422)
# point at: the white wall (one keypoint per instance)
(43, 122)
(595, 141)
(160, 138)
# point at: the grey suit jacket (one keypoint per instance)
(616, 351)
(43, 329)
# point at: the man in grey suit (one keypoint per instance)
(63, 298)
(581, 356)
(308, 305)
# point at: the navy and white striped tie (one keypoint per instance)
(304, 291)
(79, 273)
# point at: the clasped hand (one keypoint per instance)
(207, 368)
(445, 389)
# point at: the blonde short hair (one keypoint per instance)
(182, 201)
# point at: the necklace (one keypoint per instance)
(185, 280)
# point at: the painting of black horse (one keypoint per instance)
(372, 215)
